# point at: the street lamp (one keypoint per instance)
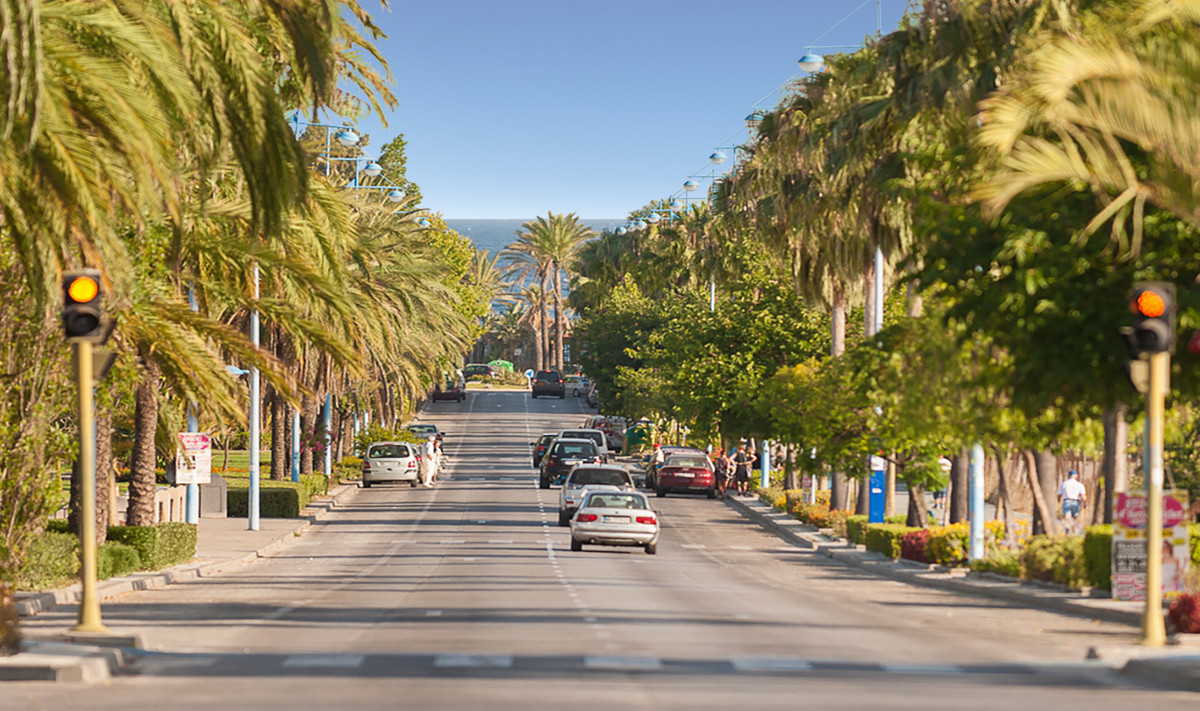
(811, 62)
(372, 169)
(717, 158)
(395, 195)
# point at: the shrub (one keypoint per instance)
(885, 537)
(896, 518)
(116, 559)
(1097, 555)
(912, 545)
(57, 525)
(1194, 529)
(1000, 561)
(1055, 560)
(1184, 614)
(947, 544)
(273, 502)
(51, 561)
(855, 528)
(158, 546)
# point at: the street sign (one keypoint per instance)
(193, 458)
(877, 484)
(529, 373)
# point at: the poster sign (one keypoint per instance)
(1129, 546)
(193, 458)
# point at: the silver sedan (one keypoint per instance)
(615, 518)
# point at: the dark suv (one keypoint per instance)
(562, 457)
(549, 382)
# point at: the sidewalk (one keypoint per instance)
(1177, 666)
(221, 544)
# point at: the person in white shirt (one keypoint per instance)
(1073, 496)
(429, 456)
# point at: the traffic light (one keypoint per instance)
(1153, 307)
(81, 304)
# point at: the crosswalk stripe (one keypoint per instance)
(622, 663)
(752, 664)
(339, 661)
(500, 661)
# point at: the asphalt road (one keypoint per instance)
(468, 596)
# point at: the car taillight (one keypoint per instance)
(366, 466)
(585, 517)
(649, 520)
(412, 465)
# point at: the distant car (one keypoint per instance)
(592, 398)
(452, 389)
(615, 518)
(391, 461)
(585, 478)
(548, 382)
(425, 431)
(540, 446)
(686, 473)
(595, 435)
(577, 384)
(562, 457)
(479, 370)
(668, 451)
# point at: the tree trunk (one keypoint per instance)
(918, 515)
(559, 322)
(838, 495)
(142, 476)
(1010, 519)
(1116, 464)
(539, 343)
(960, 487)
(279, 417)
(837, 326)
(1042, 466)
(105, 476)
(916, 305)
(862, 505)
(791, 477)
(308, 427)
(869, 297)
(75, 498)
(889, 490)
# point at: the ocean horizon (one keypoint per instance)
(495, 235)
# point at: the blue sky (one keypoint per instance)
(513, 109)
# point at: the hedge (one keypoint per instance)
(273, 502)
(53, 557)
(1000, 561)
(1055, 560)
(947, 544)
(913, 544)
(856, 528)
(158, 546)
(114, 560)
(885, 538)
(1097, 555)
(52, 561)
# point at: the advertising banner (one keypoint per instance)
(1129, 545)
(193, 458)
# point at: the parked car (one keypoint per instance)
(686, 473)
(615, 518)
(548, 382)
(595, 435)
(540, 446)
(562, 457)
(451, 389)
(585, 478)
(391, 461)
(425, 431)
(612, 427)
(479, 370)
(592, 398)
(577, 384)
(668, 451)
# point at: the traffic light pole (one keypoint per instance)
(89, 604)
(1154, 633)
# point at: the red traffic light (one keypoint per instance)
(1150, 304)
(81, 315)
(83, 289)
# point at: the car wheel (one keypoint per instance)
(712, 493)
(564, 518)
(533, 395)
(652, 548)
(544, 483)
(412, 484)
(660, 492)
(561, 396)
(576, 545)
(366, 484)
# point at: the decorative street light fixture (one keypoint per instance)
(717, 158)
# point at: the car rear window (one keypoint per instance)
(616, 501)
(388, 451)
(422, 429)
(700, 462)
(597, 437)
(586, 477)
(575, 449)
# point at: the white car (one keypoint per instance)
(595, 435)
(615, 518)
(585, 478)
(391, 461)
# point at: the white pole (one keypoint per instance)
(252, 504)
(976, 550)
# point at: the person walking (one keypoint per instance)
(743, 461)
(723, 467)
(1073, 496)
(429, 459)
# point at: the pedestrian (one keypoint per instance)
(1073, 495)
(939, 494)
(723, 467)
(659, 456)
(743, 461)
(429, 459)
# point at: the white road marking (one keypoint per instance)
(921, 669)
(694, 546)
(500, 542)
(622, 663)
(433, 613)
(473, 660)
(339, 661)
(770, 664)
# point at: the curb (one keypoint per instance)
(315, 511)
(994, 587)
(63, 661)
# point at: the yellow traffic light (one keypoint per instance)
(83, 289)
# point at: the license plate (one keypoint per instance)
(616, 519)
(687, 475)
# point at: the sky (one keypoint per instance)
(512, 109)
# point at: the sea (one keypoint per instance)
(495, 235)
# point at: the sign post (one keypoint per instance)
(875, 489)
(193, 458)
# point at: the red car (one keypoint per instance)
(687, 473)
(668, 451)
(450, 390)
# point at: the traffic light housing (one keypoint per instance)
(82, 297)
(1153, 307)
